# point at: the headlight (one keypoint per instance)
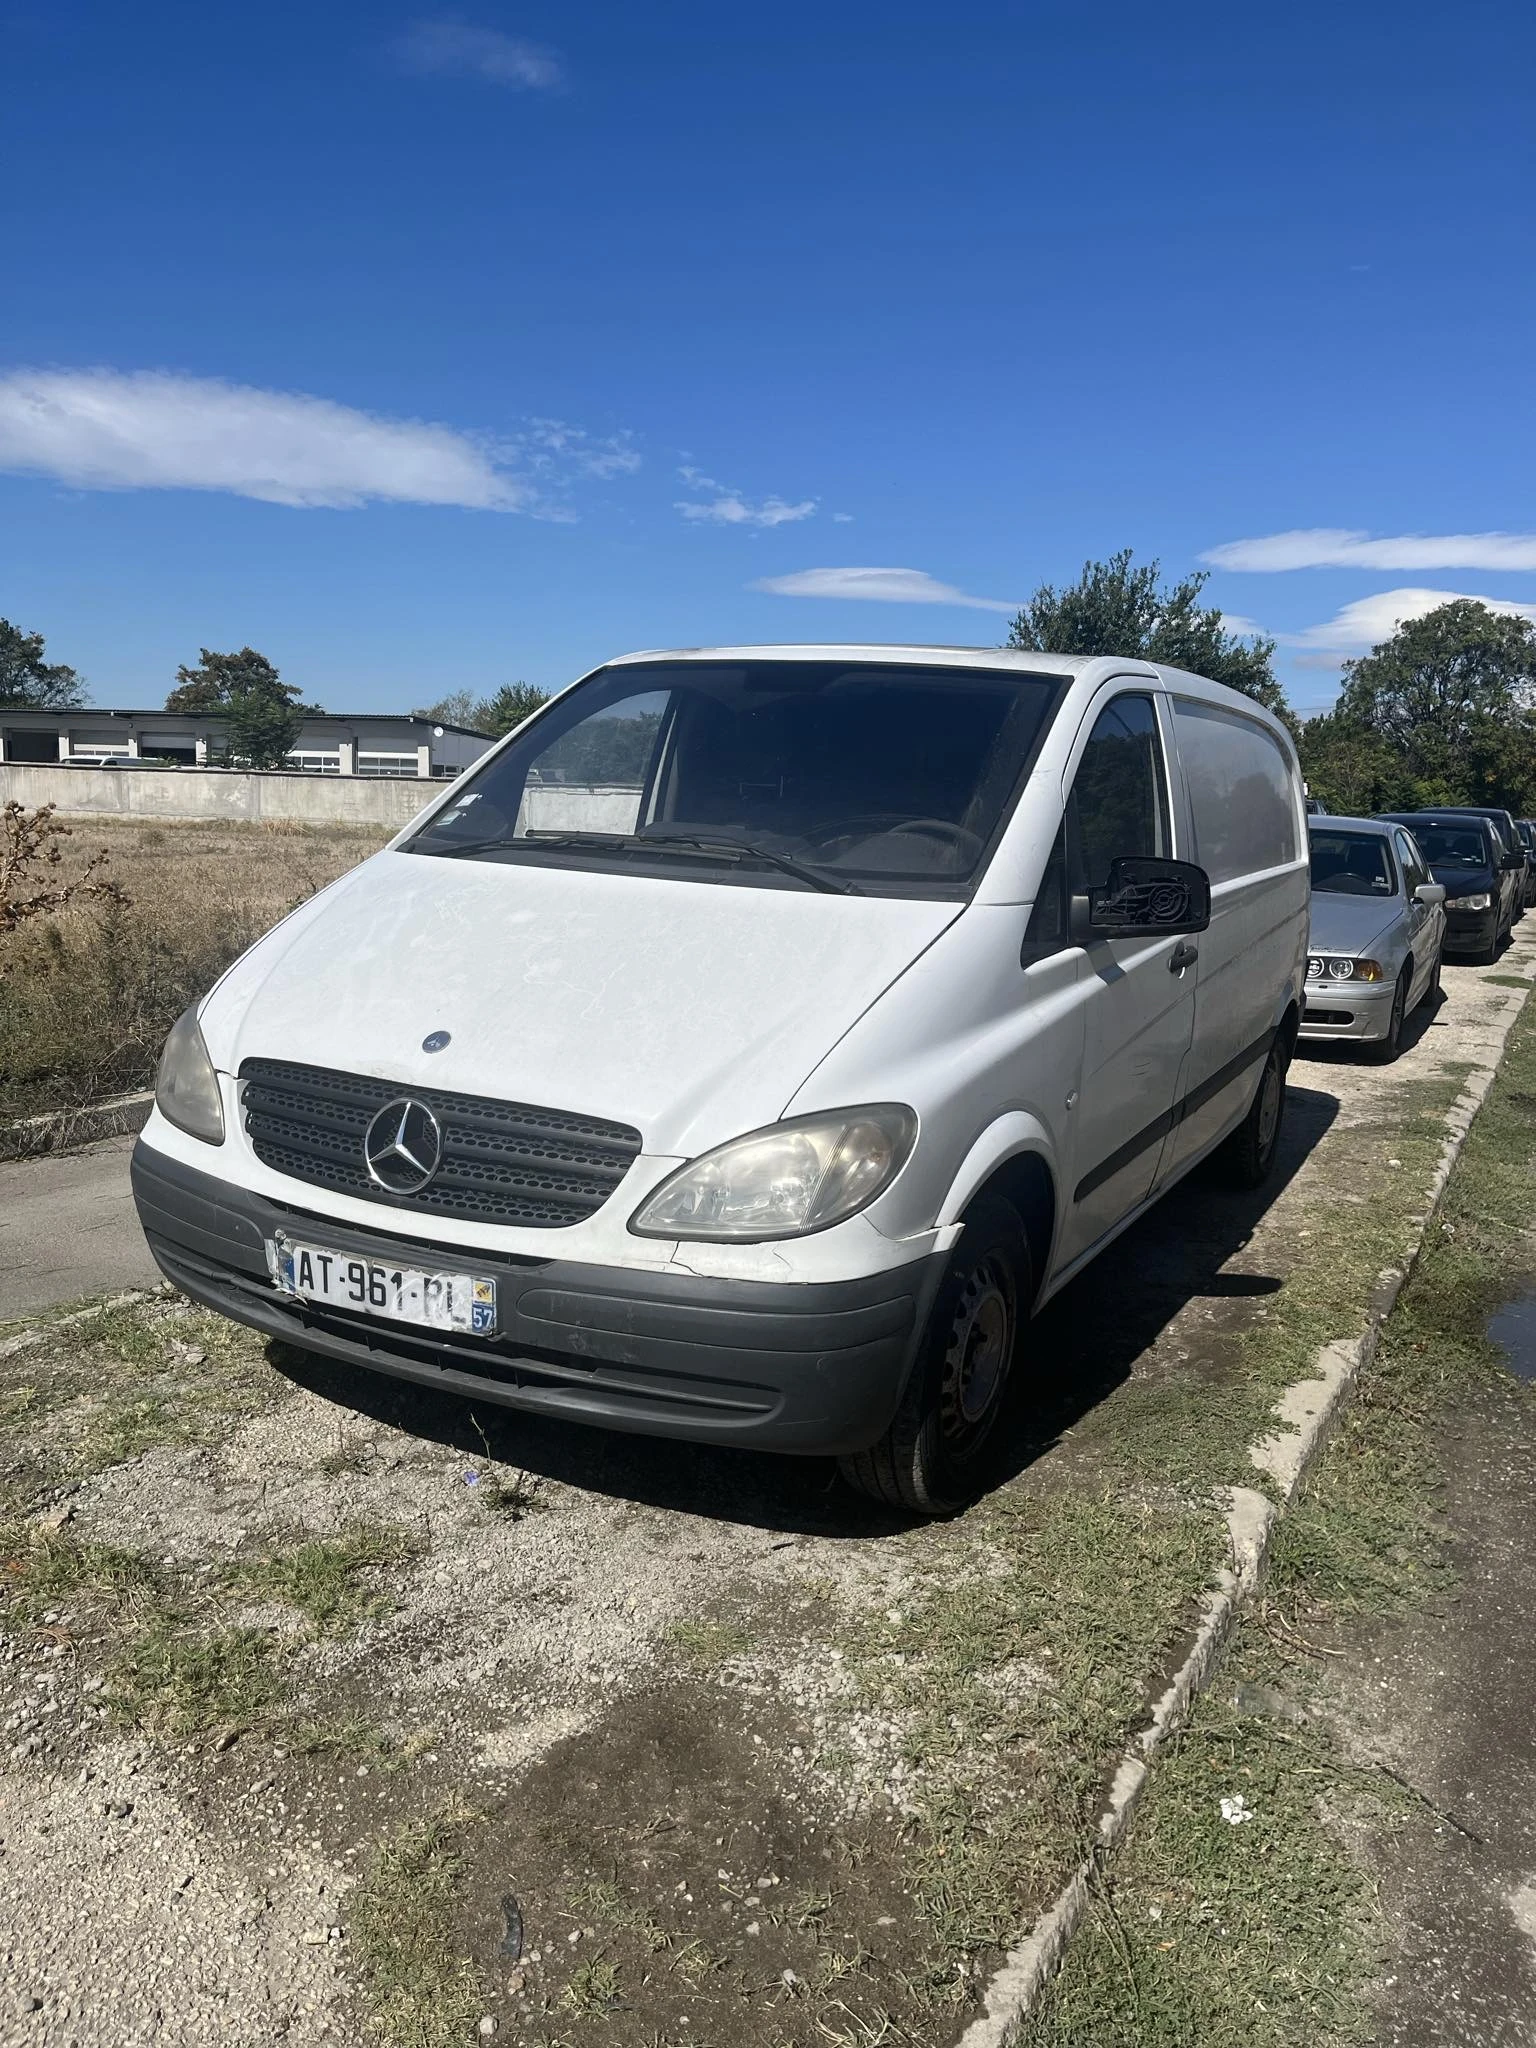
(1343, 967)
(792, 1178)
(187, 1088)
(1482, 902)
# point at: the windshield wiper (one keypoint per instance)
(815, 878)
(688, 845)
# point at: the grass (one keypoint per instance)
(332, 1583)
(1266, 1934)
(418, 1987)
(708, 1644)
(88, 995)
(593, 1989)
(178, 1678)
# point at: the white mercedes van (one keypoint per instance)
(748, 1044)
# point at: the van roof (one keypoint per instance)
(1092, 668)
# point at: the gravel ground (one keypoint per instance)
(644, 1669)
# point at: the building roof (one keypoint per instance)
(53, 715)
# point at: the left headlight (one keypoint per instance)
(786, 1181)
(186, 1087)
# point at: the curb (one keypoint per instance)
(1305, 1413)
(63, 1129)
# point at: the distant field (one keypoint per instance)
(87, 997)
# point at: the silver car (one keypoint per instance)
(1378, 924)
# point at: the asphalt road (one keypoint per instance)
(68, 1231)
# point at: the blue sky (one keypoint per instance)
(427, 349)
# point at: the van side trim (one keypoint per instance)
(1154, 1132)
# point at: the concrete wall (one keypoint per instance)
(215, 793)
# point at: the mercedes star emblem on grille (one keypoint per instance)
(403, 1146)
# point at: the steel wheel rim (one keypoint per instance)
(978, 1353)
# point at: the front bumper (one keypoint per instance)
(1471, 931)
(1347, 1009)
(805, 1367)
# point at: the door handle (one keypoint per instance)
(1182, 956)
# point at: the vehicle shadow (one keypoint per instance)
(1087, 1341)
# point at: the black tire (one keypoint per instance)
(934, 1458)
(1383, 1051)
(1247, 1157)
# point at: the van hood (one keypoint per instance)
(689, 1008)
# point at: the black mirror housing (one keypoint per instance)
(1144, 896)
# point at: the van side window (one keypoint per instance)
(1119, 798)
(1242, 787)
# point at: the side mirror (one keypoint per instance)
(1432, 893)
(1512, 861)
(1142, 897)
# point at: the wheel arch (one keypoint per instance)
(1012, 1160)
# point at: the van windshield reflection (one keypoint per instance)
(847, 778)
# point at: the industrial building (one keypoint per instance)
(396, 744)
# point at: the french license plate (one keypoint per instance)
(405, 1294)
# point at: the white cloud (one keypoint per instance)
(452, 48)
(729, 508)
(734, 510)
(1372, 619)
(152, 430)
(1245, 629)
(881, 586)
(1339, 547)
(842, 519)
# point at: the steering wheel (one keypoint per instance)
(957, 836)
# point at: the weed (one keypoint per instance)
(506, 1490)
(593, 1989)
(329, 1581)
(420, 1989)
(178, 1679)
(709, 1643)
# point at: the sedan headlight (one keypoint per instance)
(186, 1087)
(1482, 901)
(786, 1181)
(1343, 967)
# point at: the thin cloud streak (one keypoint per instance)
(111, 430)
(450, 47)
(878, 586)
(1339, 547)
(729, 507)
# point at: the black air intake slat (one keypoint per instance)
(503, 1162)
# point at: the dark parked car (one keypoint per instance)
(1526, 827)
(1483, 880)
(1514, 845)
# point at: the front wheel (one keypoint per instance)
(1383, 1051)
(1248, 1155)
(933, 1458)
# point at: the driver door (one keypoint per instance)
(1139, 1008)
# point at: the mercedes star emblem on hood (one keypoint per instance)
(403, 1146)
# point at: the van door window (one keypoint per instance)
(1242, 786)
(1119, 801)
(1118, 807)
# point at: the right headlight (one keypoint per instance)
(1482, 901)
(186, 1087)
(785, 1181)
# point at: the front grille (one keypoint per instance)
(503, 1162)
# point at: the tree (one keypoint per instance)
(26, 679)
(1114, 608)
(512, 703)
(1449, 697)
(263, 712)
(1353, 770)
(459, 707)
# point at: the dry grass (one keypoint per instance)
(87, 995)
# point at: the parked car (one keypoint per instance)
(1465, 851)
(1526, 827)
(753, 1073)
(1378, 926)
(1514, 848)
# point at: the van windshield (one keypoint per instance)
(852, 778)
